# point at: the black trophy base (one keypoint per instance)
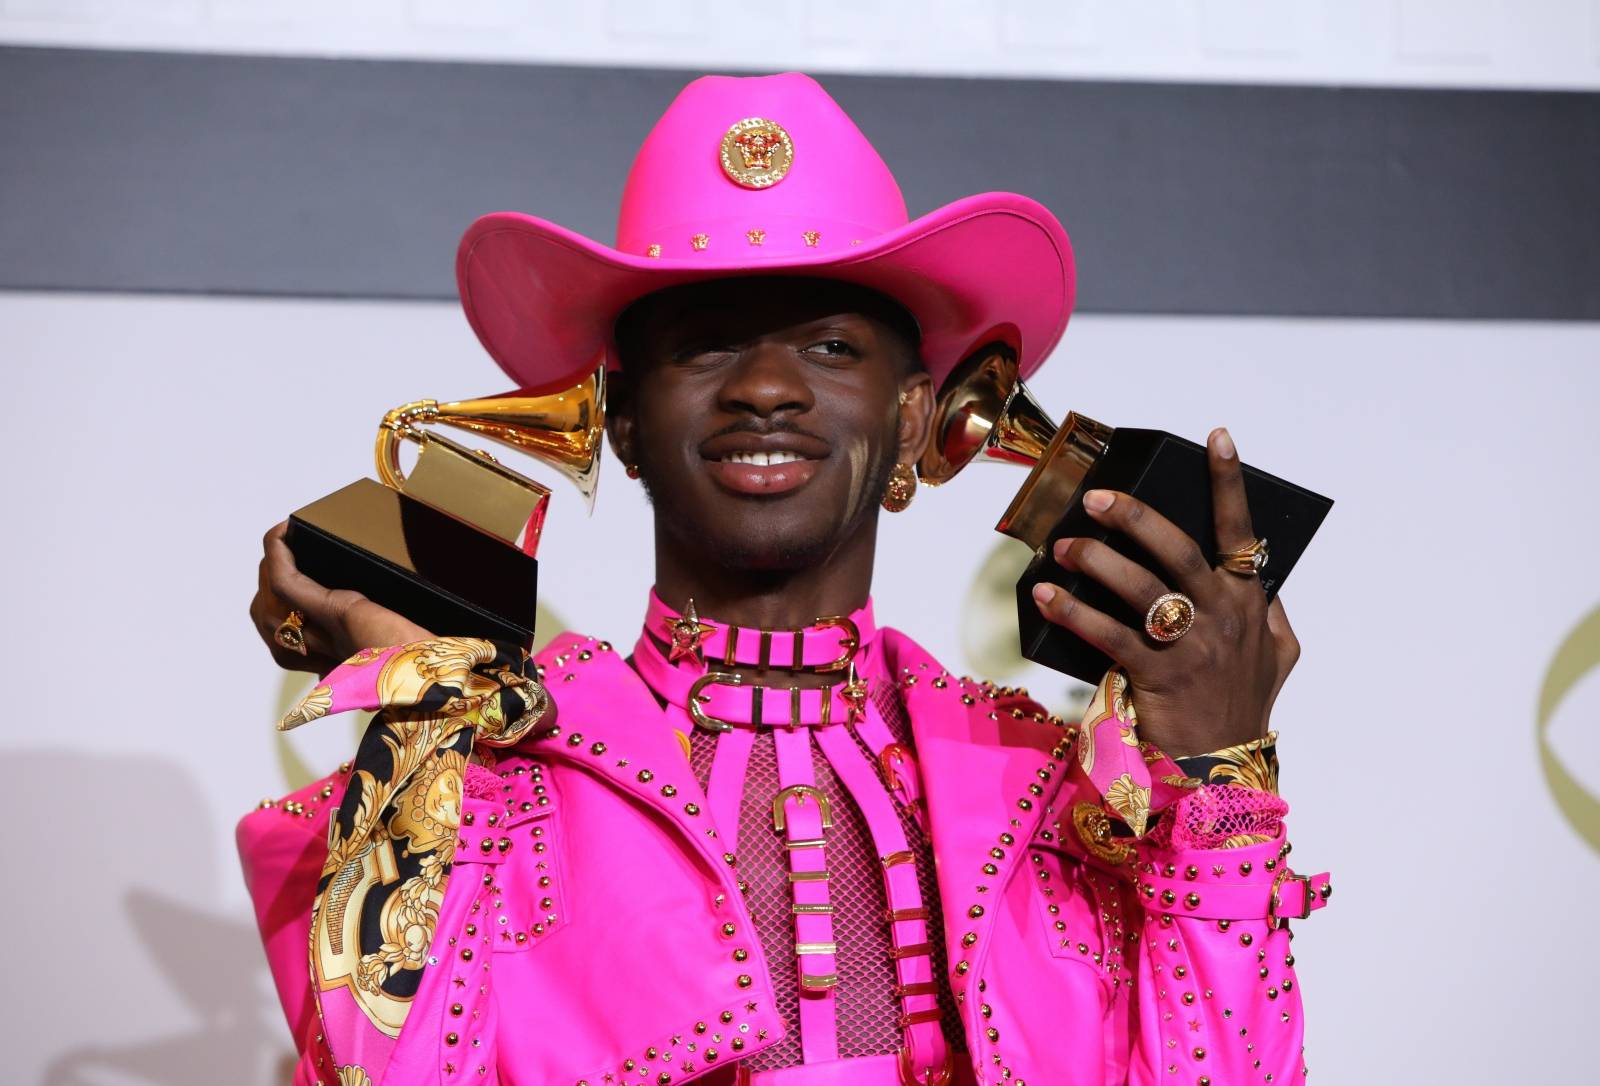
(1170, 475)
(441, 573)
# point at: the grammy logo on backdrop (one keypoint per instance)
(985, 412)
(452, 545)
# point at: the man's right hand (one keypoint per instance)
(338, 622)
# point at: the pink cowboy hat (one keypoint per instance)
(765, 176)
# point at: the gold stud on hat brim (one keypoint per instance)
(756, 153)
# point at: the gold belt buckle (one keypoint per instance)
(847, 644)
(699, 715)
(1274, 918)
(799, 792)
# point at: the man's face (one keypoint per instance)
(765, 414)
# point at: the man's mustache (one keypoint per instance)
(762, 429)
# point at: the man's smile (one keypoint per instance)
(763, 465)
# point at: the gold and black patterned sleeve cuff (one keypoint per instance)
(1249, 765)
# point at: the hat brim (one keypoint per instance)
(543, 300)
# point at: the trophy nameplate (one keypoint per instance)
(986, 412)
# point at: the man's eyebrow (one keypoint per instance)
(694, 317)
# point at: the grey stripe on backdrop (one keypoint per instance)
(350, 178)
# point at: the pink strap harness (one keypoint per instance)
(850, 732)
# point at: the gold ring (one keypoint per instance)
(1246, 561)
(291, 633)
(1170, 617)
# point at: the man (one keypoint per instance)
(775, 843)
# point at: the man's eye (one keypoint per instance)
(700, 350)
(834, 348)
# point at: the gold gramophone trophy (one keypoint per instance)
(985, 412)
(452, 544)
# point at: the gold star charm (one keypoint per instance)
(855, 697)
(688, 633)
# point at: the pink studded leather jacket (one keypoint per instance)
(494, 892)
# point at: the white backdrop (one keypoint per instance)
(157, 438)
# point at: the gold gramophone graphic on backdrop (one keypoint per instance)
(986, 412)
(452, 545)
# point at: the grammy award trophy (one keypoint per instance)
(985, 412)
(452, 545)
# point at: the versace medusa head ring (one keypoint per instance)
(1170, 617)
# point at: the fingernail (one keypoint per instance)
(1223, 443)
(1043, 594)
(1097, 501)
(1062, 550)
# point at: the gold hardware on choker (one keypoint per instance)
(847, 644)
(699, 715)
(688, 633)
(855, 697)
(697, 698)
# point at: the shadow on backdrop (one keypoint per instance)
(136, 918)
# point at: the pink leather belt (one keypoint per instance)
(1275, 895)
(718, 700)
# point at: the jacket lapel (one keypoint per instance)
(610, 725)
(989, 779)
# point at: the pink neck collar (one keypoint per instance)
(695, 642)
(694, 670)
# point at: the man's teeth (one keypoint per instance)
(762, 459)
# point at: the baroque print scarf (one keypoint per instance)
(442, 703)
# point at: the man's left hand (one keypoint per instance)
(1214, 686)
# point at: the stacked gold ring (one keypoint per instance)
(1246, 561)
(1170, 617)
(291, 632)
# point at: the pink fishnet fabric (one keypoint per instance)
(866, 1006)
(1220, 816)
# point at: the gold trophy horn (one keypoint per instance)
(985, 412)
(563, 429)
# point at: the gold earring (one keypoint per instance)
(901, 489)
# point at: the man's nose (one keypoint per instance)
(766, 380)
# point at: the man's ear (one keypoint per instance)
(916, 417)
(619, 418)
